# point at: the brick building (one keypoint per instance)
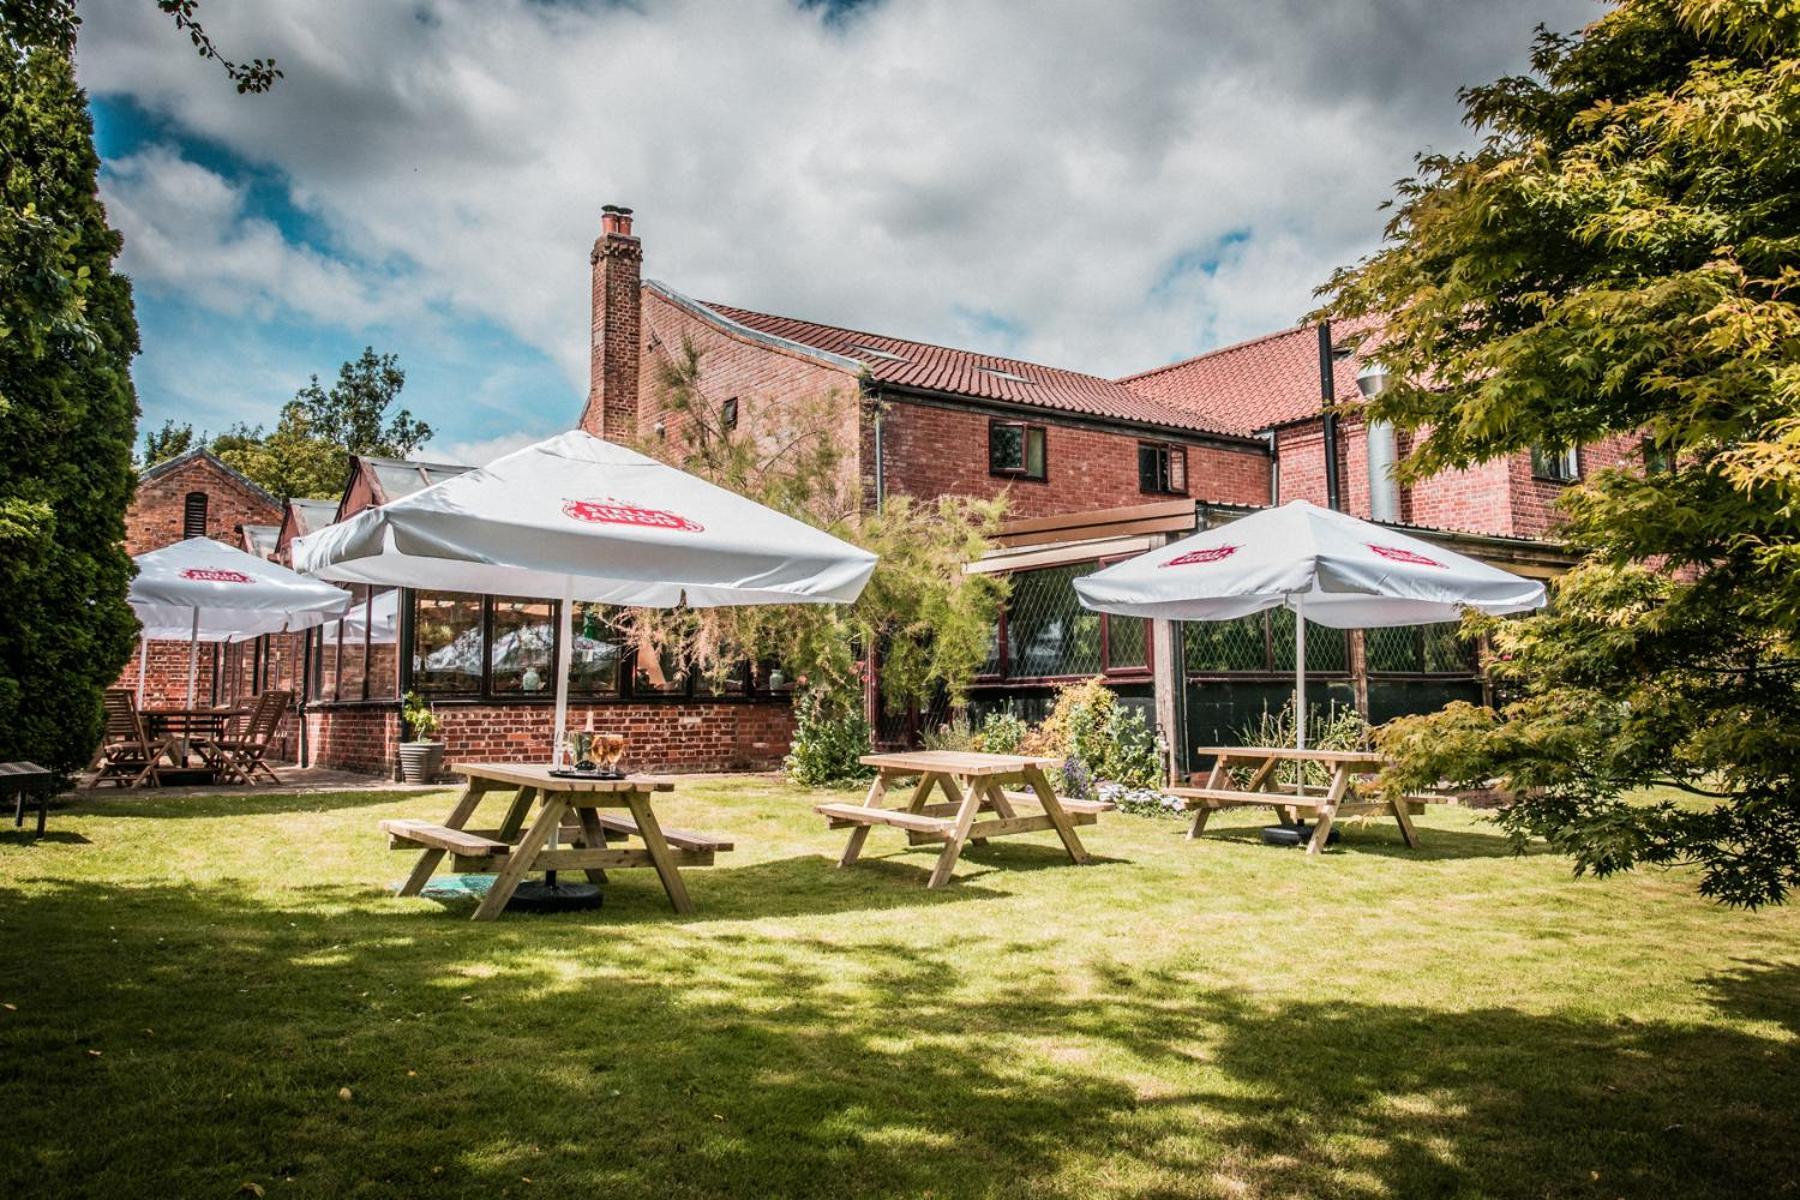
(1093, 469)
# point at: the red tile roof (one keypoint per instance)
(911, 364)
(1266, 381)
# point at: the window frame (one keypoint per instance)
(728, 414)
(1027, 430)
(1172, 453)
(1567, 458)
(1130, 671)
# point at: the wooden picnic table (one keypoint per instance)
(567, 808)
(972, 784)
(23, 780)
(187, 726)
(1341, 797)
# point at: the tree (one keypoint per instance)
(1620, 256)
(53, 24)
(67, 418)
(174, 438)
(930, 619)
(308, 452)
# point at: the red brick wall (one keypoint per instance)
(773, 388)
(930, 451)
(615, 369)
(1499, 497)
(696, 736)
(358, 739)
(155, 517)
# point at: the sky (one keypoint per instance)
(1105, 185)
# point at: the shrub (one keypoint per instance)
(1097, 738)
(954, 734)
(1001, 733)
(830, 736)
(1343, 728)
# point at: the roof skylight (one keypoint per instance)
(997, 373)
(872, 352)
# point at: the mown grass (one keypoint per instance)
(192, 982)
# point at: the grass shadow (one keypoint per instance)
(52, 836)
(187, 1039)
(148, 804)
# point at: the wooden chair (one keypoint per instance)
(239, 754)
(127, 755)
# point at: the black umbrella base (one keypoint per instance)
(1293, 835)
(535, 896)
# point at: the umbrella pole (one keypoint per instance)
(193, 655)
(565, 655)
(1300, 671)
(143, 665)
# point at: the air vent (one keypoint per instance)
(997, 373)
(872, 352)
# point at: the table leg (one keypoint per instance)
(516, 813)
(652, 834)
(1064, 829)
(521, 857)
(594, 838)
(968, 803)
(1200, 817)
(43, 809)
(1340, 780)
(1405, 822)
(429, 859)
(859, 835)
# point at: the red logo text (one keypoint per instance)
(618, 512)
(1211, 554)
(215, 575)
(1396, 554)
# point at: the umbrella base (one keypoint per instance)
(535, 896)
(1293, 835)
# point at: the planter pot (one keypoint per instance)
(421, 762)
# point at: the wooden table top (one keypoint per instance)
(24, 772)
(538, 776)
(1294, 754)
(956, 762)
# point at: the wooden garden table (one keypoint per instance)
(514, 850)
(971, 783)
(1341, 797)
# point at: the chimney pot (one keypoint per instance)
(615, 221)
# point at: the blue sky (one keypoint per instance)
(1096, 185)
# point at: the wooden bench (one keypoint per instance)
(1341, 798)
(680, 839)
(408, 834)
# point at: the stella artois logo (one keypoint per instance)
(215, 575)
(1396, 554)
(619, 512)
(1211, 554)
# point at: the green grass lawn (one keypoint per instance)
(191, 985)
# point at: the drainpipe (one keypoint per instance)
(1268, 435)
(1334, 496)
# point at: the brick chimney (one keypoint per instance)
(618, 259)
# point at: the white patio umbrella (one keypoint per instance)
(1324, 565)
(200, 590)
(578, 518)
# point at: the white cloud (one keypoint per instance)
(1120, 184)
(187, 231)
(478, 453)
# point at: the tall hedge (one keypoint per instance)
(68, 418)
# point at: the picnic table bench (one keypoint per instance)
(972, 786)
(1341, 797)
(571, 809)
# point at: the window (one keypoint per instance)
(1262, 643)
(522, 646)
(1016, 450)
(193, 515)
(728, 413)
(1421, 650)
(598, 652)
(1557, 466)
(1162, 469)
(1657, 461)
(1045, 633)
(447, 644)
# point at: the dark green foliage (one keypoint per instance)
(830, 737)
(1620, 258)
(173, 439)
(308, 452)
(67, 419)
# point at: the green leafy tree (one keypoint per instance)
(930, 619)
(308, 452)
(174, 438)
(67, 417)
(1620, 256)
